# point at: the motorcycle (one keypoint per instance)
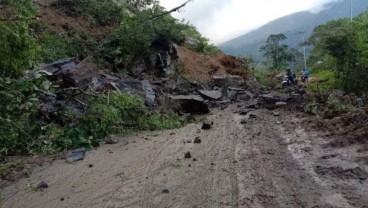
(287, 82)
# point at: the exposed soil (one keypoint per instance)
(203, 67)
(262, 161)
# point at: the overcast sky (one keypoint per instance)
(222, 20)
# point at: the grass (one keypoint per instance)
(325, 81)
(6, 168)
(266, 78)
(2, 197)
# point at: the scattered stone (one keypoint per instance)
(90, 165)
(280, 104)
(276, 113)
(188, 104)
(307, 149)
(195, 160)
(210, 94)
(189, 141)
(187, 155)
(244, 111)
(165, 191)
(42, 185)
(76, 155)
(252, 106)
(197, 140)
(189, 165)
(212, 163)
(268, 99)
(206, 124)
(172, 133)
(62, 199)
(243, 121)
(111, 141)
(253, 114)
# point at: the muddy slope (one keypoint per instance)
(265, 161)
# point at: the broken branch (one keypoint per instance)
(171, 11)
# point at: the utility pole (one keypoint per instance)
(305, 60)
(304, 52)
(351, 10)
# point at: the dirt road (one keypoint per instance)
(267, 161)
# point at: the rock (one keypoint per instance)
(70, 74)
(229, 81)
(188, 104)
(111, 141)
(197, 140)
(142, 88)
(244, 111)
(243, 121)
(187, 155)
(235, 81)
(219, 81)
(90, 165)
(206, 124)
(210, 94)
(296, 97)
(165, 191)
(195, 160)
(162, 59)
(276, 113)
(280, 104)
(76, 155)
(253, 114)
(252, 106)
(42, 185)
(268, 99)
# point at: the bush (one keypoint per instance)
(19, 50)
(101, 12)
(17, 112)
(55, 47)
(325, 81)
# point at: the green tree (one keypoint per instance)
(345, 43)
(276, 52)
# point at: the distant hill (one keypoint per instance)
(292, 26)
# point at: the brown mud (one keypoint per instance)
(262, 161)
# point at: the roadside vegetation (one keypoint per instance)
(129, 29)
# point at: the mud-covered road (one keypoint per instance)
(267, 161)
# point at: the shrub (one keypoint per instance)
(55, 47)
(101, 12)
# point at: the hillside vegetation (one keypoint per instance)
(114, 33)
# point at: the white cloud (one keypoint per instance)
(221, 20)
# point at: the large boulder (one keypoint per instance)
(268, 99)
(68, 73)
(211, 94)
(188, 104)
(228, 81)
(163, 59)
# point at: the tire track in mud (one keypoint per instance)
(269, 176)
(193, 188)
(237, 165)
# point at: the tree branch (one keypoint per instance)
(171, 11)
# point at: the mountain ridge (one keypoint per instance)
(293, 26)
